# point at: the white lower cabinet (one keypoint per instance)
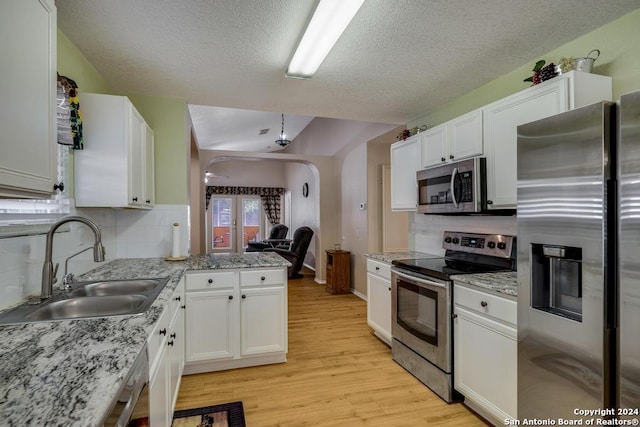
(235, 318)
(485, 352)
(166, 360)
(210, 325)
(379, 299)
(262, 313)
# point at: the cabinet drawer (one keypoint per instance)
(158, 337)
(177, 299)
(261, 277)
(211, 280)
(481, 302)
(379, 269)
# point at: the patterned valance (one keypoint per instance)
(243, 191)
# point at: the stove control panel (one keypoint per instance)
(498, 245)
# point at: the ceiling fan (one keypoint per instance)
(210, 175)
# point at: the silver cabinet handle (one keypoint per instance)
(418, 280)
(453, 188)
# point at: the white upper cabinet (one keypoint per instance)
(28, 120)
(433, 146)
(455, 140)
(149, 158)
(502, 118)
(115, 169)
(405, 162)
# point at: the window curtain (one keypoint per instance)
(270, 197)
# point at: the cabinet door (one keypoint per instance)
(176, 356)
(405, 162)
(137, 147)
(160, 412)
(485, 361)
(149, 178)
(211, 325)
(379, 306)
(501, 121)
(464, 136)
(263, 320)
(28, 85)
(433, 146)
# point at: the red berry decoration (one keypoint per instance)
(548, 72)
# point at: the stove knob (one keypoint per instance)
(456, 240)
(447, 239)
(491, 245)
(502, 245)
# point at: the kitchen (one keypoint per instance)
(134, 234)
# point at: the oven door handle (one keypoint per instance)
(454, 174)
(418, 280)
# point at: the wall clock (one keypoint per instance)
(305, 190)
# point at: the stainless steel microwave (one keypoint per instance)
(454, 188)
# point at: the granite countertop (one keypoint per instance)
(504, 282)
(388, 257)
(68, 373)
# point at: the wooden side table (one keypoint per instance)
(338, 272)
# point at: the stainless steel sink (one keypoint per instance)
(91, 299)
(116, 287)
(89, 307)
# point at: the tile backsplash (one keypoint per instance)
(425, 231)
(126, 233)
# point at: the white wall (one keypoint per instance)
(425, 231)
(126, 233)
(352, 173)
(248, 173)
(378, 154)
(325, 137)
(305, 211)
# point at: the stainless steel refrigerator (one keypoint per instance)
(579, 262)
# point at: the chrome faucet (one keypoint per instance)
(48, 271)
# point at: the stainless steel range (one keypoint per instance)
(422, 300)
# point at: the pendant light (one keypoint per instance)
(283, 141)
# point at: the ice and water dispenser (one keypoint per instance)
(556, 280)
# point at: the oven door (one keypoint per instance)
(454, 188)
(421, 316)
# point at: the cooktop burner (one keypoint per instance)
(443, 268)
(466, 253)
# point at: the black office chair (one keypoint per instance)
(276, 237)
(296, 252)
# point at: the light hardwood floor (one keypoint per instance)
(337, 374)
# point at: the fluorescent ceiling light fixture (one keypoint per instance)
(327, 24)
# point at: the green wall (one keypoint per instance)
(619, 44)
(72, 64)
(166, 116)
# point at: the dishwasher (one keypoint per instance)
(133, 396)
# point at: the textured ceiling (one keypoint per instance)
(240, 130)
(397, 60)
